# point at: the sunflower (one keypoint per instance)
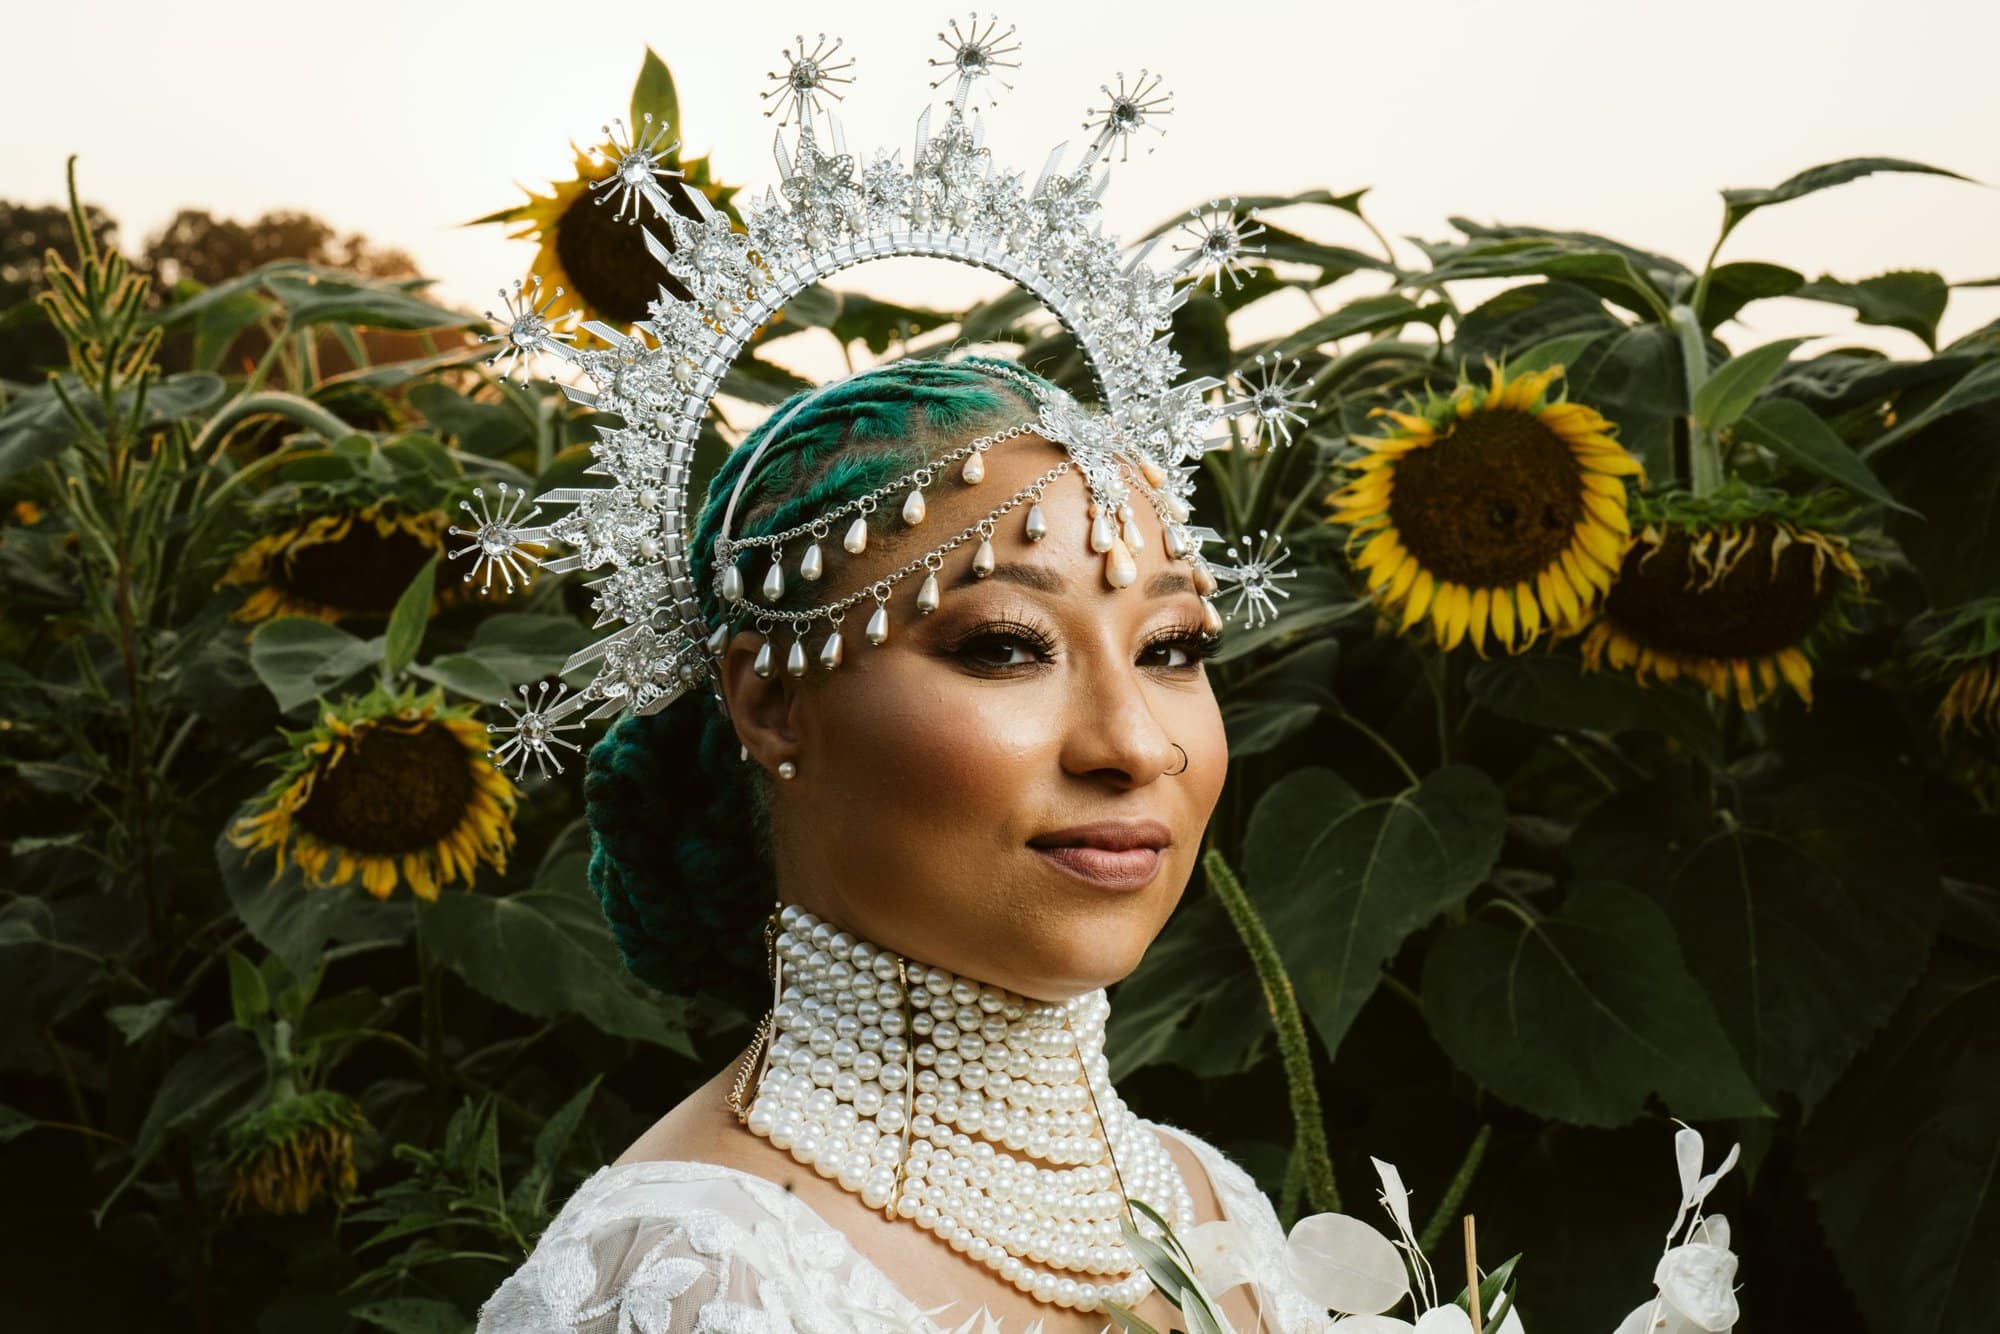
(397, 788)
(598, 260)
(1965, 651)
(338, 565)
(1496, 506)
(1735, 590)
(292, 1152)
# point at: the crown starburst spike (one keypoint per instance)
(1271, 401)
(1130, 110)
(807, 77)
(531, 731)
(636, 172)
(974, 53)
(1218, 241)
(500, 536)
(1254, 576)
(528, 328)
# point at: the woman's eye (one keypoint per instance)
(1176, 651)
(999, 650)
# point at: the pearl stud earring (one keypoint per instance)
(786, 769)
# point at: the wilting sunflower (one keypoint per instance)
(1737, 590)
(1496, 506)
(394, 788)
(338, 565)
(292, 1152)
(1964, 651)
(598, 260)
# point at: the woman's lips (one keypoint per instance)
(1129, 868)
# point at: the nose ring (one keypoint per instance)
(1173, 773)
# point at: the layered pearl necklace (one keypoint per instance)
(936, 1098)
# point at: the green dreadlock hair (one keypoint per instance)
(680, 826)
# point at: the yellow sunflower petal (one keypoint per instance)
(1502, 611)
(1477, 623)
(1421, 593)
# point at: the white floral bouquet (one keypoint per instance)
(1360, 1275)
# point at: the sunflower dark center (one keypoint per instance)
(1760, 606)
(1491, 504)
(607, 261)
(392, 792)
(361, 572)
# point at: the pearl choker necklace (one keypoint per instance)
(936, 1098)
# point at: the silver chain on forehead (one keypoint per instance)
(829, 213)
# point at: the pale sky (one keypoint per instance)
(402, 120)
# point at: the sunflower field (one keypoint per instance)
(1628, 749)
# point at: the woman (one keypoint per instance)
(971, 828)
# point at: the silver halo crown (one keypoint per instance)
(828, 214)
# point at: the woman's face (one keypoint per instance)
(987, 791)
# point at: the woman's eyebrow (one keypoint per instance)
(1046, 580)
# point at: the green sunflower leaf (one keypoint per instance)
(299, 659)
(1733, 386)
(1739, 204)
(1734, 286)
(1909, 299)
(410, 619)
(1903, 1155)
(1793, 432)
(653, 95)
(1547, 690)
(1806, 925)
(1582, 1015)
(547, 953)
(1369, 314)
(1342, 880)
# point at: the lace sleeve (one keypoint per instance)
(687, 1248)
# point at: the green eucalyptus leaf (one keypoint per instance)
(1580, 1016)
(1342, 881)
(1793, 432)
(1908, 299)
(1733, 386)
(410, 619)
(299, 659)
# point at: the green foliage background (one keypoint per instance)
(1526, 914)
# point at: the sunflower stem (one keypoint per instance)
(1704, 455)
(1293, 1049)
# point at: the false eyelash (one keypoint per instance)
(1200, 644)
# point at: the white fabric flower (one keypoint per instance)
(1223, 1254)
(648, 1305)
(1698, 1278)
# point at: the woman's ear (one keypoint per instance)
(760, 707)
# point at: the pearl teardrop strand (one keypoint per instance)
(878, 1061)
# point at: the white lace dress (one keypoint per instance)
(694, 1248)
